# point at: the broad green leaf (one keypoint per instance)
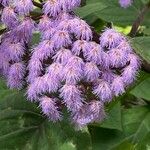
(142, 90)
(142, 46)
(136, 130)
(90, 9)
(113, 119)
(23, 127)
(111, 11)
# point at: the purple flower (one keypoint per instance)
(62, 56)
(9, 17)
(95, 53)
(23, 7)
(89, 113)
(105, 60)
(103, 91)
(134, 61)
(110, 38)
(81, 29)
(118, 86)
(91, 71)
(125, 46)
(76, 62)
(119, 56)
(44, 50)
(48, 34)
(72, 74)
(16, 75)
(16, 51)
(55, 70)
(73, 70)
(125, 3)
(68, 5)
(45, 23)
(37, 88)
(49, 108)
(52, 7)
(72, 97)
(80, 46)
(35, 69)
(24, 31)
(52, 83)
(108, 75)
(5, 2)
(4, 63)
(61, 39)
(129, 74)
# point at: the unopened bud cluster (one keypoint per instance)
(125, 3)
(67, 68)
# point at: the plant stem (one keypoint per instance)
(139, 20)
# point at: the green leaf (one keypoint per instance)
(23, 127)
(111, 11)
(90, 9)
(113, 119)
(142, 90)
(136, 130)
(142, 46)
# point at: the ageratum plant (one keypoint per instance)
(68, 68)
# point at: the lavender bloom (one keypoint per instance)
(134, 61)
(52, 7)
(110, 38)
(24, 31)
(4, 63)
(16, 75)
(68, 5)
(118, 86)
(80, 46)
(95, 53)
(125, 46)
(5, 2)
(89, 113)
(45, 23)
(81, 29)
(108, 75)
(16, 51)
(106, 60)
(103, 91)
(65, 24)
(48, 34)
(49, 108)
(72, 75)
(23, 7)
(91, 71)
(73, 70)
(119, 56)
(35, 69)
(9, 17)
(72, 97)
(55, 70)
(61, 38)
(62, 56)
(44, 50)
(53, 77)
(76, 62)
(37, 88)
(129, 74)
(125, 3)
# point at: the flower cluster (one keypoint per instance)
(125, 3)
(14, 43)
(67, 68)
